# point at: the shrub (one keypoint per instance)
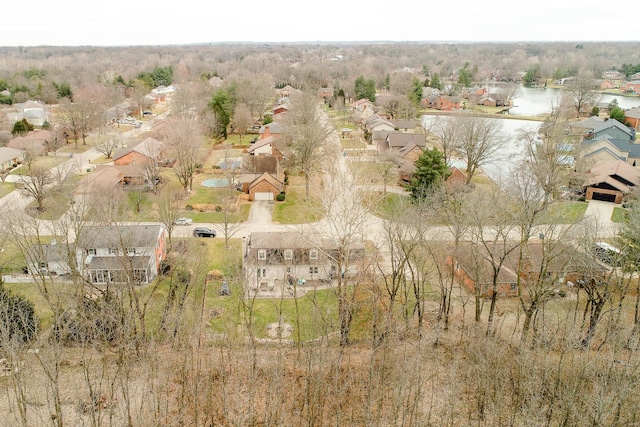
(189, 207)
(280, 197)
(17, 317)
(218, 208)
(92, 321)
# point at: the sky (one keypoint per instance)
(161, 22)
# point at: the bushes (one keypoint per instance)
(17, 317)
(92, 321)
(280, 197)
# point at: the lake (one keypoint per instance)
(532, 101)
(536, 101)
(513, 152)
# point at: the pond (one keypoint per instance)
(512, 153)
(536, 101)
(215, 182)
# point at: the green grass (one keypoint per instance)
(391, 205)
(375, 173)
(313, 316)
(218, 217)
(619, 215)
(6, 188)
(46, 162)
(296, 209)
(568, 212)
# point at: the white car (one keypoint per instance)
(183, 221)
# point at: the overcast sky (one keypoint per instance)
(160, 22)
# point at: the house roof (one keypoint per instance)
(50, 253)
(149, 147)
(633, 113)
(102, 177)
(611, 123)
(264, 142)
(7, 154)
(404, 124)
(288, 240)
(616, 173)
(274, 128)
(401, 139)
(119, 236)
(538, 257)
(266, 177)
(632, 150)
(409, 148)
(260, 163)
(117, 263)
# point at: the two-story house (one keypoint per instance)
(276, 261)
(120, 253)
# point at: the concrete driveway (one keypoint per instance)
(261, 212)
(601, 213)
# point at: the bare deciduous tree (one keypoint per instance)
(480, 141)
(307, 129)
(241, 120)
(185, 139)
(37, 184)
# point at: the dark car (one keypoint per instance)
(203, 232)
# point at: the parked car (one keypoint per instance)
(183, 221)
(203, 232)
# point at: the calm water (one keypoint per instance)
(534, 101)
(513, 153)
(530, 102)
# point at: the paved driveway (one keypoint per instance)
(601, 213)
(261, 211)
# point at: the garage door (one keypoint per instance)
(264, 196)
(604, 197)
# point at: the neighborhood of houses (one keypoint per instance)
(277, 260)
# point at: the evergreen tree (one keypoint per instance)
(431, 170)
(365, 89)
(21, 128)
(18, 320)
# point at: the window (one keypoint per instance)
(313, 270)
(113, 251)
(313, 254)
(131, 251)
(262, 272)
(262, 254)
(90, 251)
(288, 254)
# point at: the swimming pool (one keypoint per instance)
(215, 182)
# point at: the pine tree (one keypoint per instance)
(431, 169)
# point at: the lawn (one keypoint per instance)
(6, 188)
(46, 162)
(296, 209)
(374, 173)
(619, 215)
(567, 212)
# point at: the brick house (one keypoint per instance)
(262, 176)
(143, 153)
(632, 117)
(475, 266)
(632, 86)
(447, 103)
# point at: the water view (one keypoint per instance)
(537, 101)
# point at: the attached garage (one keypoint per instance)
(265, 187)
(611, 181)
(263, 196)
